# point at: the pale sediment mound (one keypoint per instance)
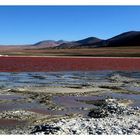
(56, 90)
(119, 78)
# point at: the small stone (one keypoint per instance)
(99, 132)
(98, 113)
(74, 132)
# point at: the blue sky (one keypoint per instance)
(30, 24)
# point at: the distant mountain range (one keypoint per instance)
(49, 43)
(131, 38)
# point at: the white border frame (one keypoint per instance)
(69, 2)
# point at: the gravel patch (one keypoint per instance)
(117, 120)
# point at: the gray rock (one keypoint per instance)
(46, 129)
(98, 113)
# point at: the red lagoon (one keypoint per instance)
(45, 64)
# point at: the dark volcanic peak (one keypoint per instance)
(89, 40)
(131, 38)
(126, 34)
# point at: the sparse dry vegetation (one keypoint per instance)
(95, 52)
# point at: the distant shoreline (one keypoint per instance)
(68, 56)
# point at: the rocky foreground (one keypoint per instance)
(111, 118)
(73, 103)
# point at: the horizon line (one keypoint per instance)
(28, 44)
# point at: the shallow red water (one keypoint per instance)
(11, 123)
(43, 64)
